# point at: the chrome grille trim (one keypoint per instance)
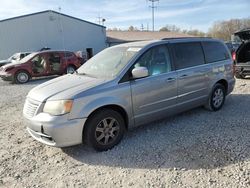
(30, 108)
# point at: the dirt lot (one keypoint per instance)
(195, 149)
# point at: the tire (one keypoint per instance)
(21, 77)
(70, 69)
(104, 130)
(240, 76)
(217, 98)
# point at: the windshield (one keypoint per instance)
(27, 58)
(14, 57)
(109, 62)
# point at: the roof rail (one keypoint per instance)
(185, 38)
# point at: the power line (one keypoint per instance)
(153, 7)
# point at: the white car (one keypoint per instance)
(14, 58)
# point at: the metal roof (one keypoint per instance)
(49, 11)
(130, 36)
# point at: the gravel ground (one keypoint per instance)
(197, 148)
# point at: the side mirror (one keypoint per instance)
(140, 72)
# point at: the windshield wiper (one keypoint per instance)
(85, 74)
(82, 73)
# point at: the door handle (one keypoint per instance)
(170, 79)
(183, 76)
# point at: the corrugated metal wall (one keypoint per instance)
(49, 29)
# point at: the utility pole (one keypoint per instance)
(61, 25)
(153, 7)
(142, 27)
(101, 20)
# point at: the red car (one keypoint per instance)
(39, 64)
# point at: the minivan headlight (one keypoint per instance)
(59, 107)
(9, 69)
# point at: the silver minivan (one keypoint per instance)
(129, 85)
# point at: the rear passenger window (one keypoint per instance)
(215, 51)
(188, 55)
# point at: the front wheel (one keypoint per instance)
(104, 130)
(217, 98)
(21, 77)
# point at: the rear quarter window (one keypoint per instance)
(215, 51)
(187, 54)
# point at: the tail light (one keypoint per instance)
(234, 56)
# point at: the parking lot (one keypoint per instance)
(195, 149)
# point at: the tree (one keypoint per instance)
(170, 28)
(224, 29)
(132, 28)
(195, 32)
(174, 28)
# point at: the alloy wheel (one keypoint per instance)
(218, 97)
(107, 131)
(22, 77)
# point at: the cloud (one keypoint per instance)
(118, 13)
(147, 15)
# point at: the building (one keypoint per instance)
(50, 29)
(119, 37)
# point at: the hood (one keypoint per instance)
(243, 34)
(4, 61)
(11, 64)
(63, 87)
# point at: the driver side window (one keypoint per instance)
(156, 60)
(39, 64)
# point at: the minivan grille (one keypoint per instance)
(30, 108)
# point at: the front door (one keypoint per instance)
(39, 65)
(155, 96)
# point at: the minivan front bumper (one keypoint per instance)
(56, 131)
(6, 76)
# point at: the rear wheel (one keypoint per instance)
(70, 69)
(21, 77)
(217, 98)
(104, 130)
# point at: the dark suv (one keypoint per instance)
(242, 56)
(39, 64)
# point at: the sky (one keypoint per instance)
(186, 14)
